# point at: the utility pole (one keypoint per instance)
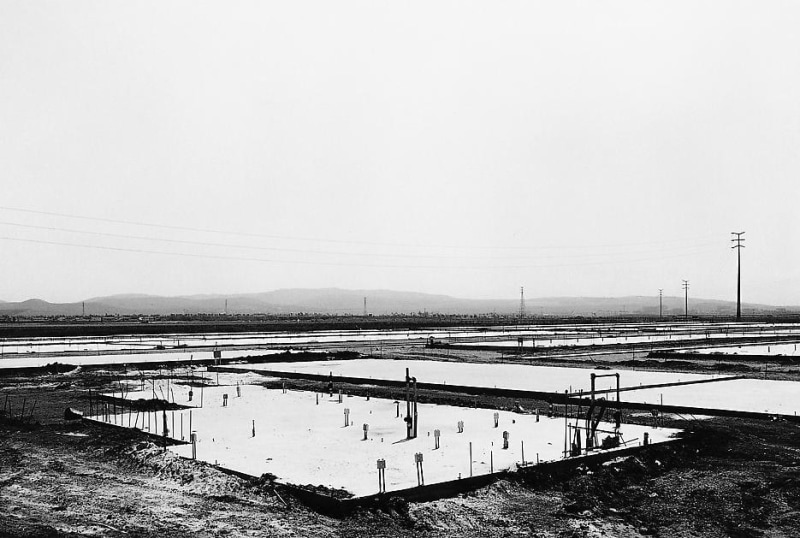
(738, 246)
(660, 303)
(686, 297)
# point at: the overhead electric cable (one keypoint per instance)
(305, 251)
(307, 262)
(336, 241)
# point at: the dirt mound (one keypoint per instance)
(196, 477)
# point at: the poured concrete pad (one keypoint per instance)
(506, 376)
(781, 349)
(303, 442)
(745, 395)
(129, 358)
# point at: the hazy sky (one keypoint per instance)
(467, 148)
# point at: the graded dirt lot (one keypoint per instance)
(735, 477)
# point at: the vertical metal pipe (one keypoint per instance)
(408, 405)
(415, 407)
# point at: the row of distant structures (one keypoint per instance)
(738, 240)
(591, 308)
(418, 318)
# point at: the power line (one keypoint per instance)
(211, 244)
(686, 298)
(287, 249)
(191, 255)
(338, 264)
(336, 241)
(738, 246)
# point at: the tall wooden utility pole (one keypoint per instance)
(738, 246)
(686, 298)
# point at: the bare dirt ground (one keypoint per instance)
(65, 478)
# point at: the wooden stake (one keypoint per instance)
(30, 416)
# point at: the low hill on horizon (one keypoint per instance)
(378, 302)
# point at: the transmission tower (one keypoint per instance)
(521, 302)
(686, 298)
(738, 246)
(660, 303)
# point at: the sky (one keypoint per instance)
(574, 148)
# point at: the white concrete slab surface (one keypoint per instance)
(128, 358)
(748, 395)
(508, 376)
(302, 442)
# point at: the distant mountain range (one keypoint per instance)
(378, 302)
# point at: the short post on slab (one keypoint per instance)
(420, 473)
(381, 475)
